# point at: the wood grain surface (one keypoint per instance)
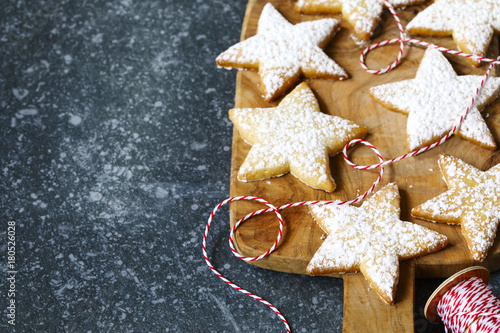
(418, 178)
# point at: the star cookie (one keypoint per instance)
(293, 137)
(363, 15)
(472, 23)
(436, 98)
(371, 239)
(472, 200)
(282, 52)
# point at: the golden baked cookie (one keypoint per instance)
(472, 23)
(281, 52)
(363, 15)
(371, 239)
(472, 201)
(293, 137)
(436, 98)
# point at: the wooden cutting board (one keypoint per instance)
(418, 178)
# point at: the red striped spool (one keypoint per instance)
(464, 303)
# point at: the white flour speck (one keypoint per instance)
(198, 145)
(97, 39)
(95, 196)
(19, 93)
(26, 112)
(75, 120)
(161, 193)
(45, 64)
(68, 59)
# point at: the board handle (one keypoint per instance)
(365, 311)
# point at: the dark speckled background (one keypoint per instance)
(115, 146)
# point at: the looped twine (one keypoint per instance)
(278, 238)
(280, 231)
(403, 40)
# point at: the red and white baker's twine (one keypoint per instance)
(205, 255)
(280, 231)
(382, 163)
(470, 304)
(402, 40)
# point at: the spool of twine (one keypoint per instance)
(465, 303)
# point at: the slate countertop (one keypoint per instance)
(115, 147)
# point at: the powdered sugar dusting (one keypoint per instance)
(435, 100)
(372, 239)
(364, 15)
(473, 200)
(295, 136)
(471, 22)
(283, 51)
